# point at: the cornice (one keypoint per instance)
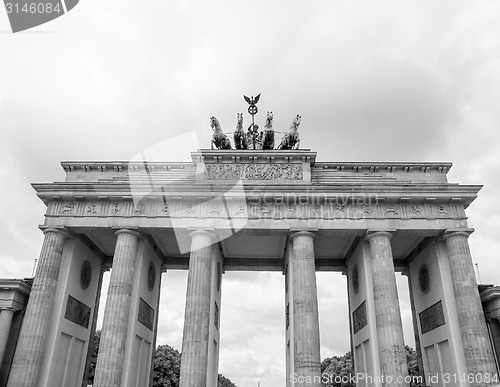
(122, 188)
(19, 285)
(245, 156)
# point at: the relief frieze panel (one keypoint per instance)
(263, 208)
(253, 172)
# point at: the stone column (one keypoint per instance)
(116, 313)
(307, 361)
(194, 361)
(414, 317)
(104, 268)
(6, 315)
(391, 345)
(476, 342)
(35, 327)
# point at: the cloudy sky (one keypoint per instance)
(378, 81)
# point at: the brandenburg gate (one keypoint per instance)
(252, 209)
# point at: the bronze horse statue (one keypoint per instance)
(291, 139)
(219, 139)
(268, 141)
(240, 137)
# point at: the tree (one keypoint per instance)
(413, 368)
(224, 382)
(93, 357)
(338, 369)
(167, 367)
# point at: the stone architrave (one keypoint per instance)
(33, 337)
(391, 346)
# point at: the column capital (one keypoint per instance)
(453, 232)
(309, 233)
(58, 230)
(105, 267)
(199, 231)
(406, 271)
(135, 233)
(374, 234)
(9, 308)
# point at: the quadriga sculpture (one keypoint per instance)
(291, 139)
(219, 139)
(268, 142)
(240, 136)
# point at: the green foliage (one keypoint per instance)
(224, 382)
(413, 368)
(339, 368)
(93, 357)
(167, 367)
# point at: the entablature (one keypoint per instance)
(257, 184)
(414, 193)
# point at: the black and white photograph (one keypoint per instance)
(249, 193)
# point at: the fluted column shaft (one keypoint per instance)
(307, 361)
(6, 316)
(116, 314)
(197, 315)
(476, 342)
(391, 345)
(36, 324)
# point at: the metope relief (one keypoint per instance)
(415, 210)
(115, 208)
(392, 210)
(441, 211)
(68, 208)
(241, 210)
